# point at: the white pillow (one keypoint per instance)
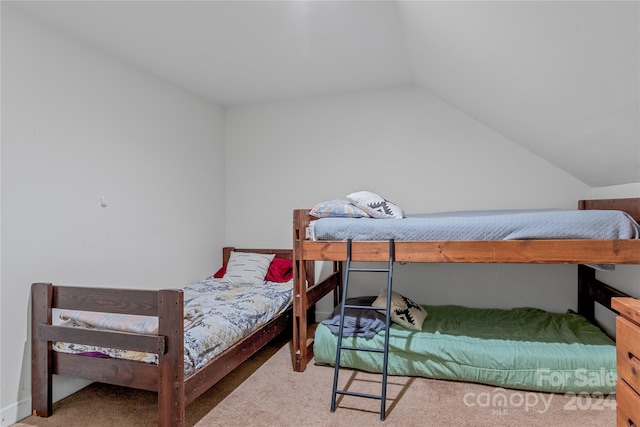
(404, 311)
(247, 268)
(375, 205)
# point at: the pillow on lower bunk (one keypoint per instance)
(404, 311)
(247, 268)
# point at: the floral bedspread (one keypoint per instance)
(217, 315)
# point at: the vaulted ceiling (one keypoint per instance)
(560, 78)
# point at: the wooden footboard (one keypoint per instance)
(167, 378)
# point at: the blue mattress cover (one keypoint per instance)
(483, 225)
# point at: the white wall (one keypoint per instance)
(413, 149)
(76, 126)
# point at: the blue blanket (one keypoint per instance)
(484, 225)
(358, 322)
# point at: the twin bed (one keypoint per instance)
(165, 341)
(501, 359)
(162, 367)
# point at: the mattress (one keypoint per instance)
(217, 315)
(521, 348)
(482, 225)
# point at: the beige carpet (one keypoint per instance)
(266, 392)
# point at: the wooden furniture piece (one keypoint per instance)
(566, 251)
(167, 378)
(628, 361)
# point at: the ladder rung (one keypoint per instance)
(370, 350)
(355, 393)
(368, 270)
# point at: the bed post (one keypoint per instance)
(171, 390)
(586, 306)
(299, 354)
(41, 351)
(337, 293)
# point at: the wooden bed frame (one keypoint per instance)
(167, 378)
(579, 252)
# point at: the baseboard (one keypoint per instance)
(13, 413)
(322, 315)
(62, 387)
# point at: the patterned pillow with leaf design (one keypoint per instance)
(375, 205)
(404, 311)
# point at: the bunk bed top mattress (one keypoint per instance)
(521, 348)
(216, 316)
(482, 225)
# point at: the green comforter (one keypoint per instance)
(522, 348)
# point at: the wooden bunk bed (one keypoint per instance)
(167, 378)
(547, 251)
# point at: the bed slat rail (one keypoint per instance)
(203, 379)
(120, 340)
(502, 251)
(140, 375)
(318, 291)
(106, 300)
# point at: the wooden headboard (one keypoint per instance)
(630, 205)
(280, 253)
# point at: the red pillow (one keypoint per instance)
(280, 270)
(221, 272)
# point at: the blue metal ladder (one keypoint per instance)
(335, 391)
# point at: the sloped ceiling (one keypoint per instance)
(561, 79)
